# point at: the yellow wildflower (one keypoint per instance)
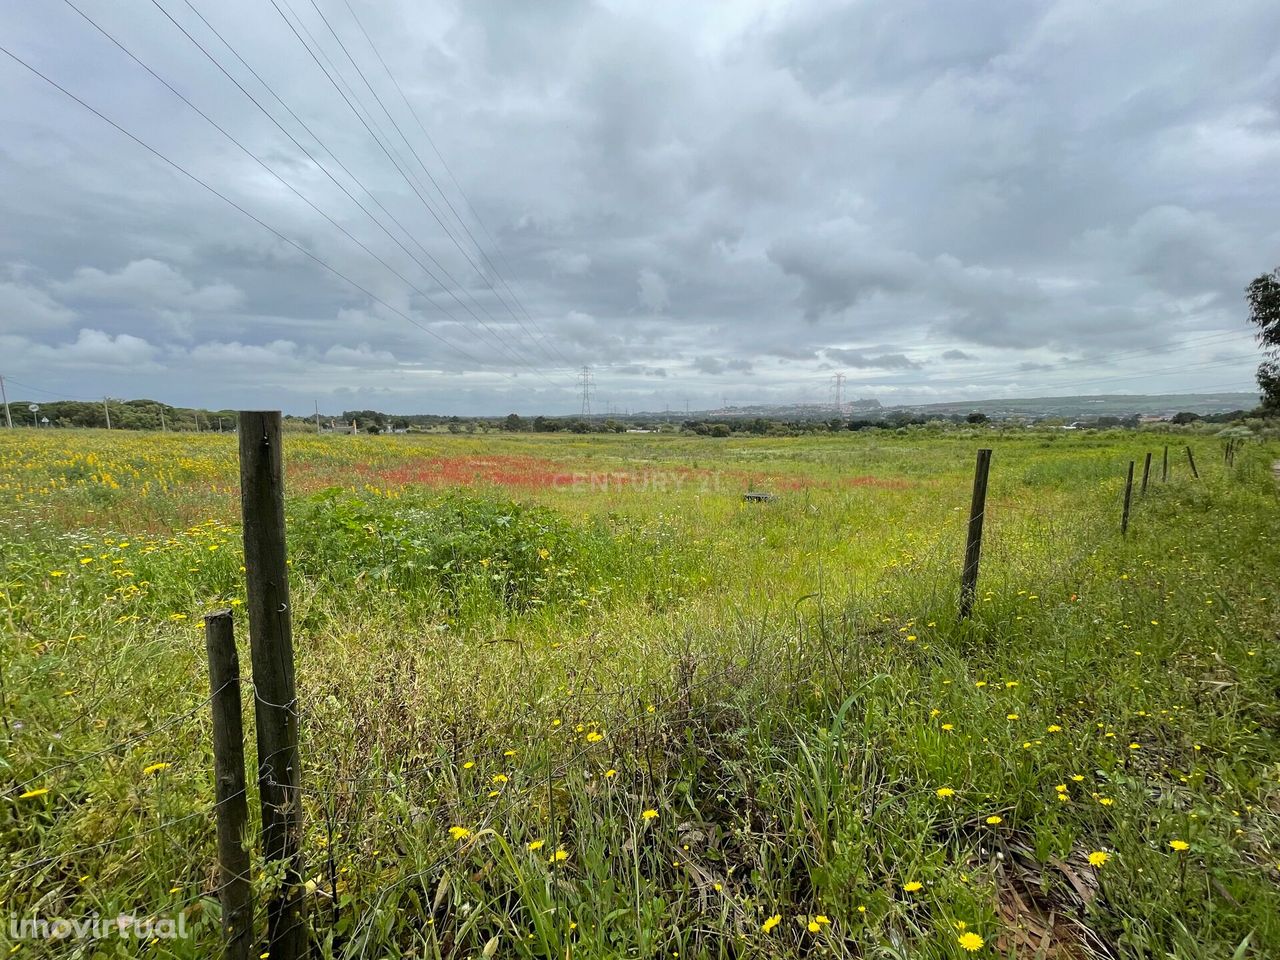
(771, 922)
(971, 941)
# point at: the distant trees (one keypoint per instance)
(1184, 418)
(1263, 297)
(977, 417)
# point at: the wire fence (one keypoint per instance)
(607, 716)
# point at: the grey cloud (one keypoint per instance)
(862, 361)
(725, 190)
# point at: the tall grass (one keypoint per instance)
(658, 717)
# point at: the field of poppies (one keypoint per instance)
(572, 696)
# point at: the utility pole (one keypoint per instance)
(317, 416)
(8, 420)
(586, 381)
(107, 407)
(163, 426)
(838, 383)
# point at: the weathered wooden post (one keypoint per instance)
(1164, 469)
(234, 885)
(1128, 499)
(1192, 460)
(1146, 473)
(271, 649)
(973, 546)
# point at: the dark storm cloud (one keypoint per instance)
(697, 201)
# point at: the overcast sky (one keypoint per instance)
(703, 202)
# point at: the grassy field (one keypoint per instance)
(572, 697)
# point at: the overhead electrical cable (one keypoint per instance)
(445, 287)
(232, 203)
(497, 249)
(479, 272)
(264, 165)
(365, 123)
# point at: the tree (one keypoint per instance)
(513, 423)
(1185, 417)
(977, 417)
(1263, 297)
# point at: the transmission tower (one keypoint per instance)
(586, 381)
(837, 384)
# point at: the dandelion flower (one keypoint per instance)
(821, 920)
(499, 778)
(1179, 845)
(771, 922)
(558, 857)
(1011, 716)
(971, 941)
(994, 819)
(154, 768)
(468, 765)
(459, 833)
(610, 773)
(945, 792)
(913, 886)
(948, 726)
(1054, 728)
(594, 736)
(1106, 801)
(535, 844)
(1099, 858)
(650, 815)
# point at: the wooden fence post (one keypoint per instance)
(1164, 470)
(1146, 473)
(235, 890)
(973, 546)
(1128, 498)
(275, 699)
(1192, 460)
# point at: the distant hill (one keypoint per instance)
(1097, 406)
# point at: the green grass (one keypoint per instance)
(543, 656)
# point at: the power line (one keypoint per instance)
(379, 142)
(191, 176)
(471, 207)
(426, 296)
(360, 72)
(443, 286)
